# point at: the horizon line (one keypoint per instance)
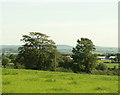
(61, 44)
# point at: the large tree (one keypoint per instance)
(82, 55)
(38, 52)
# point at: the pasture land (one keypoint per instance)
(111, 65)
(34, 81)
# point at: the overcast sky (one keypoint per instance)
(64, 22)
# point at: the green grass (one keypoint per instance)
(102, 61)
(33, 81)
(111, 65)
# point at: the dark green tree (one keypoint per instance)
(5, 61)
(82, 55)
(12, 57)
(38, 52)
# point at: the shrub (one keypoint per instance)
(116, 72)
(115, 68)
(61, 69)
(10, 65)
(106, 72)
(102, 67)
(66, 62)
(19, 66)
(5, 61)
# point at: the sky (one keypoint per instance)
(64, 21)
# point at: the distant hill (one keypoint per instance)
(106, 50)
(9, 46)
(64, 49)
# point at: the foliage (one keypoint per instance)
(105, 72)
(38, 52)
(12, 57)
(66, 62)
(118, 57)
(5, 61)
(10, 65)
(61, 69)
(111, 65)
(82, 54)
(102, 66)
(19, 66)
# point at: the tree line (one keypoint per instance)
(40, 53)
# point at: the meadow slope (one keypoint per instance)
(34, 81)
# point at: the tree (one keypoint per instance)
(66, 62)
(115, 59)
(12, 57)
(38, 52)
(101, 66)
(5, 61)
(82, 55)
(118, 57)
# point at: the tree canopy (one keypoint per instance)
(38, 52)
(82, 55)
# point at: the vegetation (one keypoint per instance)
(34, 81)
(82, 55)
(111, 65)
(101, 66)
(46, 57)
(5, 61)
(38, 52)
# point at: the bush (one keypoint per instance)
(19, 66)
(61, 69)
(10, 65)
(102, 67)
(107, 72)
(116, 72)
(98, 72)
(5, 61)
(66, 62)
(115, 68)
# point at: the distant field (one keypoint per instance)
(33, 81)
(111, 65)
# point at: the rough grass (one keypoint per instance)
(33, 81)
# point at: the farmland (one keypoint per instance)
(34, 81)
(111, 65)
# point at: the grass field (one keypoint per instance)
(33, 81)
(111, 65)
